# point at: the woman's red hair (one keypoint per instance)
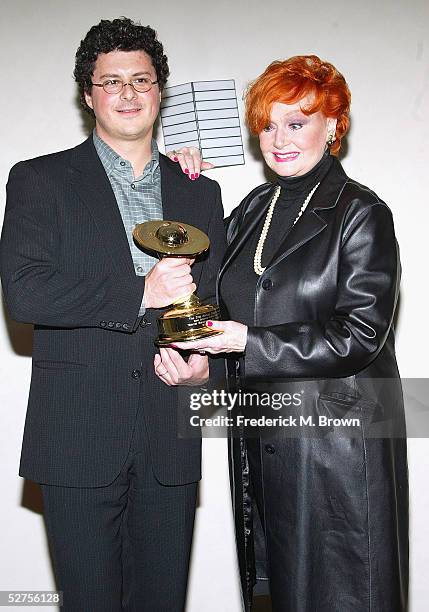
(291, 80)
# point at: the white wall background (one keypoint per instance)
(382, 47)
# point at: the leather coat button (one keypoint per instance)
(269, 448)
(136, 374)
(267, 284)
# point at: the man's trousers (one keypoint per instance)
(125, 546)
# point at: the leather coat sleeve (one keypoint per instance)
(353, 335)
(35, 289)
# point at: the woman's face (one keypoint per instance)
(293, 142)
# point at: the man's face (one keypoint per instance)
(127, 115)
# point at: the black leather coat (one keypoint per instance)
(336, 507)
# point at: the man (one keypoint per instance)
(119, 486)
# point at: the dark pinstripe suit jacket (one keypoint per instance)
(66, 267)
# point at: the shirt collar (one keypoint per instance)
(112, 161)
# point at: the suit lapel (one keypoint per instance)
(178, 201)
(172, 196)
(90, 181)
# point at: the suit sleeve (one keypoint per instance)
(35, 289)
(217, 236)
(207, 286)
(352, 337)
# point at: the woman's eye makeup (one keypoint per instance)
(292, 124)
(296, 123)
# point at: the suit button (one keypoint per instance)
(136, 374)
(269, 448)
(144, 323)
(118, 325)
(103, 323)
(125, 326)
(267, 284)
(111, 324)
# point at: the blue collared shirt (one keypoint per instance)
(139, 199)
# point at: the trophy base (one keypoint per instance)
(185, 325)
(185, 337)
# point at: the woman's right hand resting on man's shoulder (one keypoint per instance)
(190, 161)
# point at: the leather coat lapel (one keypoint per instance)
(90, 181)
(312, 222)
(307, 227)
(256, 209)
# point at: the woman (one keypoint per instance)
(309, 285)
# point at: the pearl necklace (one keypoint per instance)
(257, 260)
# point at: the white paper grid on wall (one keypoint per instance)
(204, 114)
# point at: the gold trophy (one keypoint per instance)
(187, 319)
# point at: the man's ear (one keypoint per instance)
(88, 99)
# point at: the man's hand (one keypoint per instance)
(173, 370)
(168, 280)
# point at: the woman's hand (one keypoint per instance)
(190, 161)
(232, 340)
(173, 370)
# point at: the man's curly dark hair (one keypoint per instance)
(117, 35)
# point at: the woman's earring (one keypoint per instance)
(331, 139)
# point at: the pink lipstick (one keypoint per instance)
(286, 157)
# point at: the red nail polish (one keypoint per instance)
(175, 159)
(196, 175)
(186, 171)
(209, 323)
(192, 176)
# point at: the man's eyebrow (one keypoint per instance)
(111, 75)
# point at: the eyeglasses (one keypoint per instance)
(114, 86)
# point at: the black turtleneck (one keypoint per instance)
(294, 191)
(239, 280)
